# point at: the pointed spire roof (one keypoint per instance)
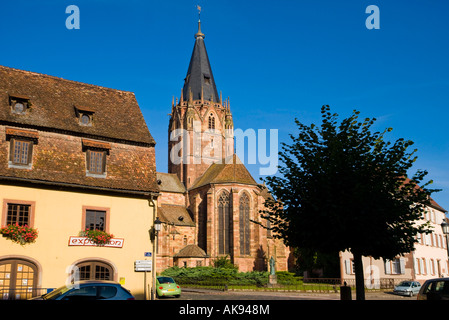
(199, 79)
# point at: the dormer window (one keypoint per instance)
(96, 154)
(84, 115)
(21, 147)
(85, 119)
(19, 105)
(206, 78)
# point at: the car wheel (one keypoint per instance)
(177, 296)
(410, 294)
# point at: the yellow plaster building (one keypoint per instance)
(73, 156)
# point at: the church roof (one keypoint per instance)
(199, 79)
(191, 251)
(231, 170)
(175, 214)
(169, 182)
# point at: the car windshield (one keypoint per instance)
(405, 284)
(56, 293)
(165, 280)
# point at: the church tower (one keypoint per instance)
(209, 203)
(200, 126)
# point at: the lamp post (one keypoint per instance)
(445, 227)
(157, 228)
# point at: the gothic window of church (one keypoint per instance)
(244, 225)
(224, 223)
(211, 122)
(269, 229)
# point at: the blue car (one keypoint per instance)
(89, 290)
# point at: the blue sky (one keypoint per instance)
(276, 60)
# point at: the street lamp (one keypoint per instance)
(157, 225)
(445, 227)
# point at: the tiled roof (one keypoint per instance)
(169, 182)
(52, 122)
(231, 170)
(175, 214)
(435, 205)
(55, 101)
(191, 251)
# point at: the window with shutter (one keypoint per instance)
(348, 266)
(401, 265)
(387, 267)
(416, 265)
(423, 266)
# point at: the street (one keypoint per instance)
(202, 294)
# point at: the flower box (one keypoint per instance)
(19, 234)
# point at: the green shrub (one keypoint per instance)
(224, 262)
(212, 275)
(285, 277)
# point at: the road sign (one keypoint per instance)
(143, 265)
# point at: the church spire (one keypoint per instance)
(199, 33)
(199, 78)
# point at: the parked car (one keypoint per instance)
(407, 288)
(166, 286)
(89, 290)
(434, 289)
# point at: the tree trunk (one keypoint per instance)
(359, 278)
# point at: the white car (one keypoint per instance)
(408, 288)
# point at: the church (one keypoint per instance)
(209, 203)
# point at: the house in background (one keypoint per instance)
(73, 156)
(428, 260)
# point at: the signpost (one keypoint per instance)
(143, 265)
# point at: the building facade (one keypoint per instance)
(209, 201)
(68, 162)
(428, 260)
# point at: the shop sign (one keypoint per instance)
(84, 241)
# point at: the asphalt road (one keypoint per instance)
(200, 294)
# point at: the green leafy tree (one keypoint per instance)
(342, 187)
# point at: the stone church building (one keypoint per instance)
(209, 203)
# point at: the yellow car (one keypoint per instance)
(166, 286)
